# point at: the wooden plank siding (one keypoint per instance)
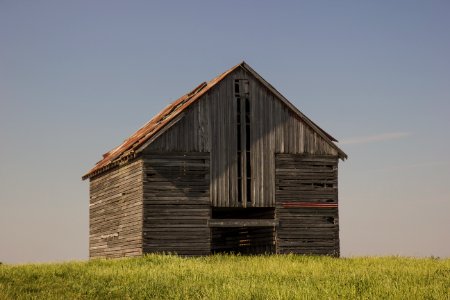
(181, 191)
(115, 212)
(223, 144)
(209, 125)
(176, 203)
(306, 204)
(189, 134)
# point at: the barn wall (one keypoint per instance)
(210, 125)
(176, 203)
(306, 204)
(274, 129)
(115, 211)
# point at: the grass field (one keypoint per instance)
(230, 277)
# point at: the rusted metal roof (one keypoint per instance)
(128, 148)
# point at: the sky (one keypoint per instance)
(78, 77)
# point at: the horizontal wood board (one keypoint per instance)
(115, 212)
(176, 203)
(303, 228)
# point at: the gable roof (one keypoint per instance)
(173, 113)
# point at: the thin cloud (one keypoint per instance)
(433, 164)
(375, 138)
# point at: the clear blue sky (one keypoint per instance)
(77, 77)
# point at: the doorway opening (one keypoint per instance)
(243, 230)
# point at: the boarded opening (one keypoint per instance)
(243, 230)
(307, 204)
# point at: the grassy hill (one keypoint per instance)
(230, 277)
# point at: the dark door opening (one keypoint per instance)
(243, 230)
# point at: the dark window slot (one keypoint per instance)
(249, 190)
(249, 165)
(239, 146)
(241, 88)
(247, 137)
(247, 105)
(239, 164)
(239, 189)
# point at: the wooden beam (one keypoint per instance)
(242, 223)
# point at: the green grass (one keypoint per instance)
(230, 277)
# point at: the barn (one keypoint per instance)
(230, 167)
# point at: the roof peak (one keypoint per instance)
(171, 114)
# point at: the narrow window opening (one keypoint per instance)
(238, 110)
(238, 129)
(239, 142)
(241, 88)
(249, 165)
(248, 169)
(247, 137)
(239, 189)
(247, 110)
(249, 190)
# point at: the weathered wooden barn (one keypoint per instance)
(232, 166)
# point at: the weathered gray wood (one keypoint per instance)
(162, 201)
(306, 204)
(115, 211)
(176, 203)
(210, 124)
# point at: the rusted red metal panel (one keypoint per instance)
(308, 205)
(155, 124)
